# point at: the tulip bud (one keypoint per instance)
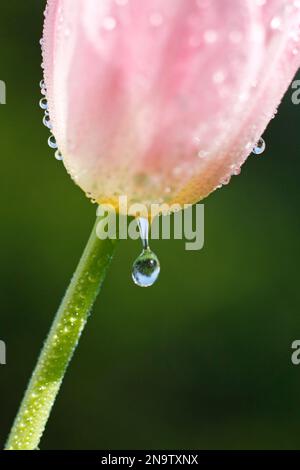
(163, 100)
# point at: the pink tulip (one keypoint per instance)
(163, 100)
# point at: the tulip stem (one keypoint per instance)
(60, 344)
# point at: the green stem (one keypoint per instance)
(60, 345)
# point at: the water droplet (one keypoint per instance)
(210, 36)
(44, 103)
(47, 121)
(203, 154)
(52, 142)
(275, 22)
(43, 87)
(58, 155)
(243, 97)
(226, 180)
(218, 77)
(109, 23)
(156, 19)
(260, 147)
(236, 170)
(146, 267)
(67, 32)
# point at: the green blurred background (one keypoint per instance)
(202, 359)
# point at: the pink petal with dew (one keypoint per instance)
(162, 100)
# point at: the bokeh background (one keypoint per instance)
(202, 359)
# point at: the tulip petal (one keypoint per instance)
(162, 100)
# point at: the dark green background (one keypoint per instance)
(202, 359)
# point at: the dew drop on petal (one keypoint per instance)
(202, 154)
(47, 121)
(58, 155)
(44, 103)
(43, 87)
(226, 180)
(260, 147)
(109, 23)
(210, 36)
(52, 142)
(275, 22)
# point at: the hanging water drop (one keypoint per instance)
(260, 147)
(146, 267)
(52, 142)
